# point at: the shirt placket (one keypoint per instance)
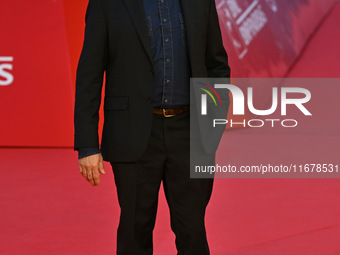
(167, 42)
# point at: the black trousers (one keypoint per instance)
(167, 159)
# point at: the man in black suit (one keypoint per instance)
(148, 50)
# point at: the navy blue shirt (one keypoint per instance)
(166, 29)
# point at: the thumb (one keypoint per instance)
(101, 168)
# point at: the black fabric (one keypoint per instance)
(166, 159)
(85, 152)
(117, 43)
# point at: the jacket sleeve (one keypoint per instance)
(85, 152)
(216, 56)
(89, 79)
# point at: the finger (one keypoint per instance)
(96, 177)
(84, 172)
(80, 169)
(101, 168)
(92, 182)
(89, 175)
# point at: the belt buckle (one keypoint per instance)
(167, 115)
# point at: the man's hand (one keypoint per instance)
(90, 167)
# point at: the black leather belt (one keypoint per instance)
(171, 112)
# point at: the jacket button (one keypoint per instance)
(152, 72)
(150, 100)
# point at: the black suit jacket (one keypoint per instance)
(116, 42)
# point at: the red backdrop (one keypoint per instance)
(41, 42)
(264, 37)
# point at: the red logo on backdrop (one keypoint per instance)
(6, 66)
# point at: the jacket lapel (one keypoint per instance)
(136, 10)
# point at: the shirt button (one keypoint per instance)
(168, 60)
(165, 20)
(166, 100)
(167, 39)
(162, 1)
(167, 81)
